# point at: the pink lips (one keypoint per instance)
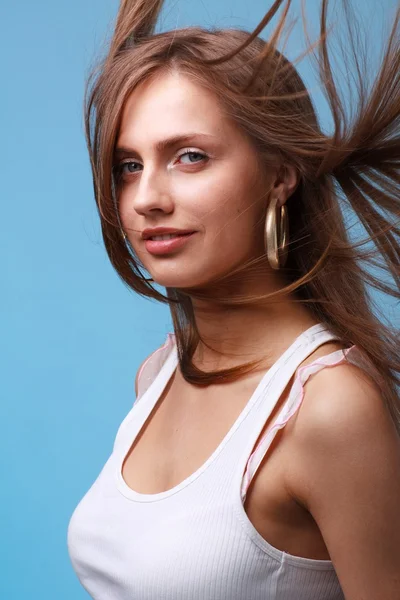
(166, 246)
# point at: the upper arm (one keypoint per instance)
(346, 472)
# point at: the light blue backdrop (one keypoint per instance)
(73, 335)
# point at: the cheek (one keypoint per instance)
(233, 208)
(131, 221)
(125, 214)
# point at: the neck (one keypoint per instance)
(240, 334)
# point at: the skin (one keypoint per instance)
(222, 196)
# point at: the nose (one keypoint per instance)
(152, 194)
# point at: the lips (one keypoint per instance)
(158, 247)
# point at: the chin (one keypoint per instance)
(181, 279)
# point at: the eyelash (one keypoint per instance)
(120, 166)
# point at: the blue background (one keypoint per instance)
(73, 334)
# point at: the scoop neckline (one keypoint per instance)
(158, 386)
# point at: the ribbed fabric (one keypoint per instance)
(195, 541)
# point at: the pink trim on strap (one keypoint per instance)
(151, 360)
(165, 345)
(290, 407)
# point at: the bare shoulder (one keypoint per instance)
(339, 396)
(342, 413)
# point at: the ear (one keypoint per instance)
(286, 182)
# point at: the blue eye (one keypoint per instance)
(193, 153)
(127, 164)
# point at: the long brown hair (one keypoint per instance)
(356, 167)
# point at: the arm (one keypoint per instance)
(346, 472)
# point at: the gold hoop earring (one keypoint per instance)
(276, 246)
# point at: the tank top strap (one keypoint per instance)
(153, 374)
(152, 365)
(312, 340)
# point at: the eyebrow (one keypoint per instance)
(166, 143)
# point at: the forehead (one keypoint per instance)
(167, 105)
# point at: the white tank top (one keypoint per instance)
(195, 541)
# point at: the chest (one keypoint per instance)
(182, 432)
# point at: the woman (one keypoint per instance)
(262, 456)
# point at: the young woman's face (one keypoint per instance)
(208, 183)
